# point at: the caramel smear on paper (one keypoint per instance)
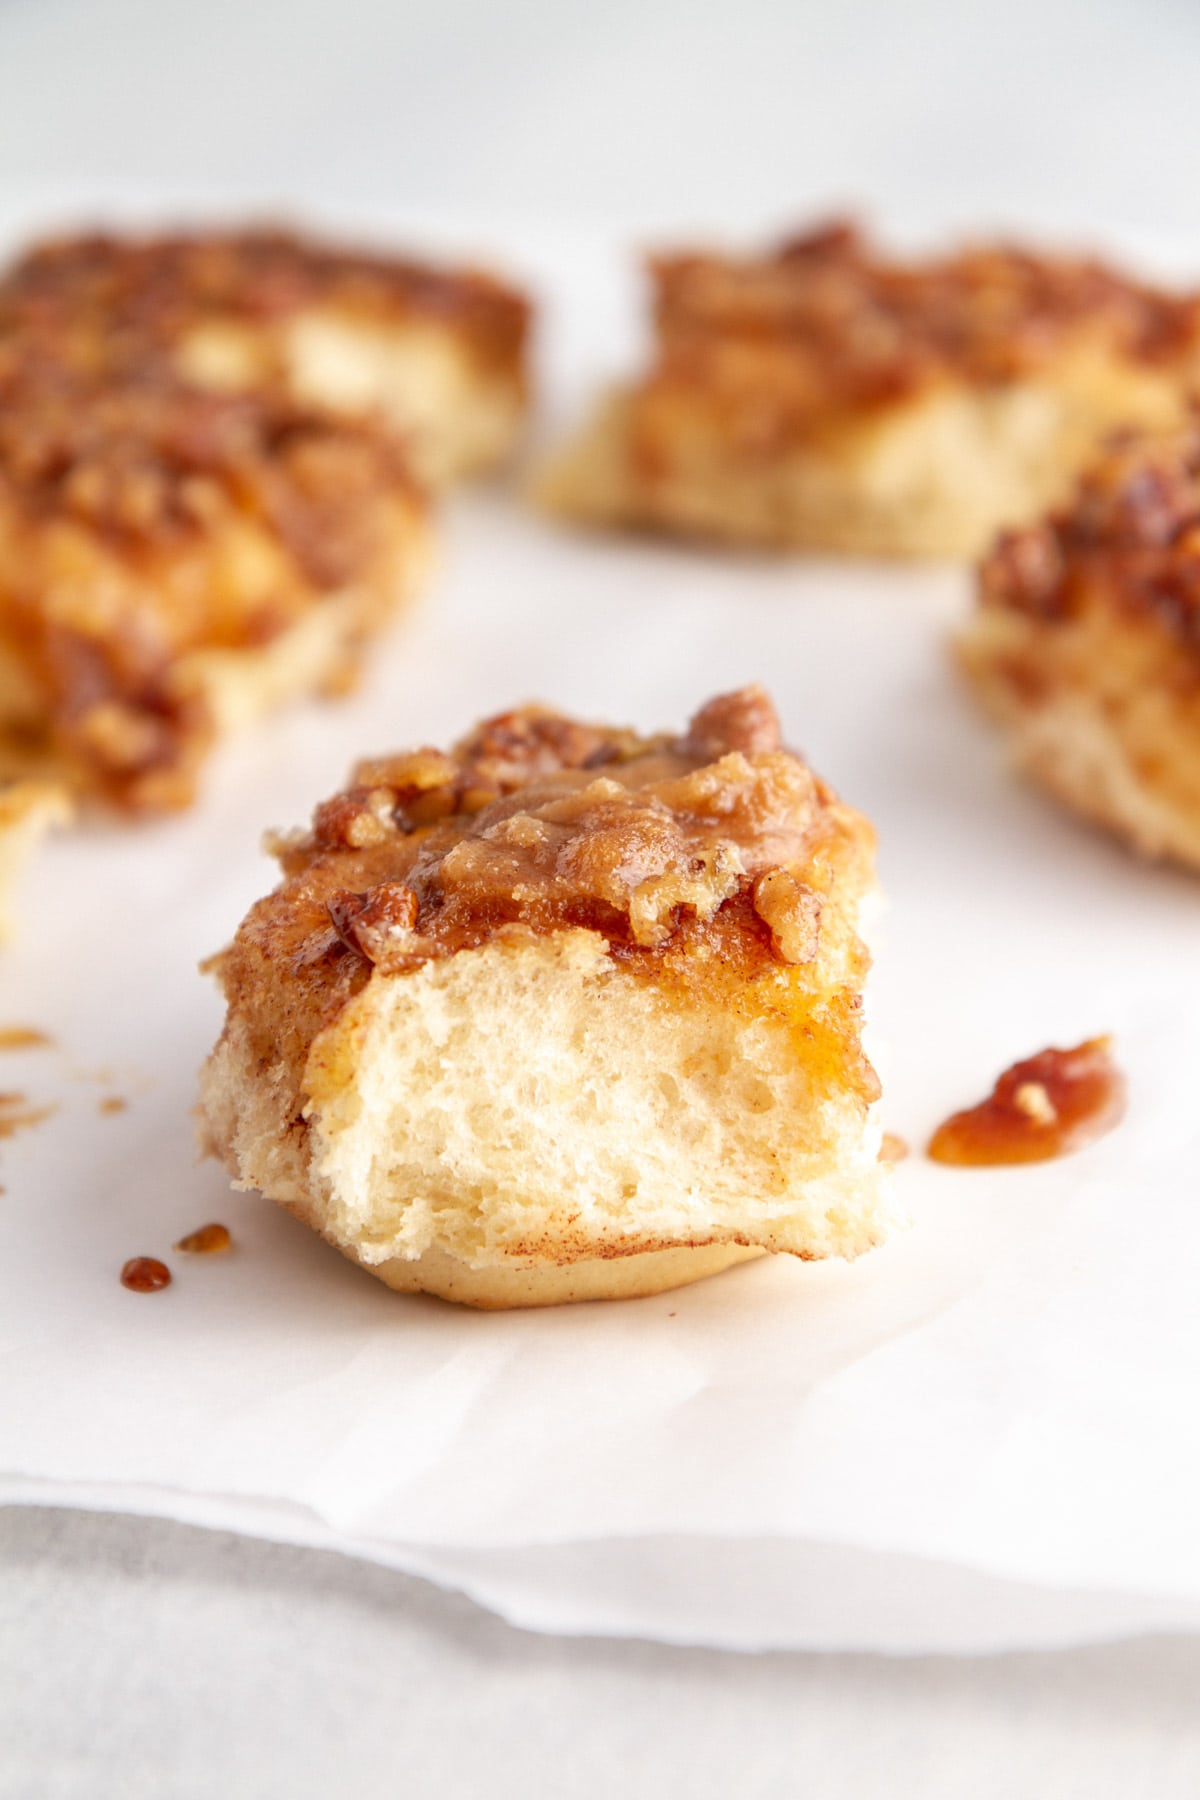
(16, 1114)
(24, 1037)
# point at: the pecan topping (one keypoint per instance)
(376, 923)
(745, 721)
(357, 818)
(1130, 539)
(541, 822)
(792, 911)
(845, 326)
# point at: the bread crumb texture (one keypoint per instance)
(565, 1013)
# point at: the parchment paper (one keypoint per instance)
(986, 1434)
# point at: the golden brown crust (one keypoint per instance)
(631, 1276)
(100, 299)
(145, 524)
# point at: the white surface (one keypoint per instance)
(681, 112)
(1005, 1389)
(125, 1641)
(199, 1666)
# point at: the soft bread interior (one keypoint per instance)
(531, 1106)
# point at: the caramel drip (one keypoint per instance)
(1045, 1106)
(208, 1240)
(145, 1275)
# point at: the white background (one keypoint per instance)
(144, 1659)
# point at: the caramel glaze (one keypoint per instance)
(145, 1275)
(538, 820)
(1128, 541)
(703, 860)
(1046, 1106)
